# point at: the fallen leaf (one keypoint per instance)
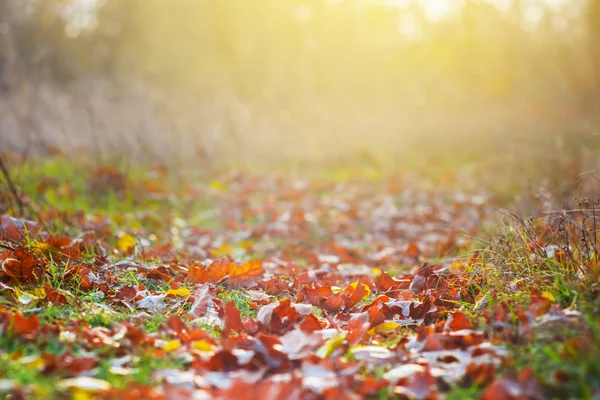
(171, 345)
(25, 326)
(153, 304)
(178, 292)
(86, 384)
(126, 242)
(403, 371)
(202, 345)
(549, 296)
(331, 344)
(232, 319)
(202, 300)
(384, 327)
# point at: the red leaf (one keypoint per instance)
(14, 229)
(275, 286)
(433, 343)
(175, 324)
(370, 386)
(202, 300)
(127, 293)
(21, 266)
(458, 321)
(420, 278)
(315, 296)
(418, 386)
(525, 387)
(67, 363)
(232, 319)
(384, 282)
(223, 361)
(356, 294)
(311, 323)
(334, 303)
(264, 389)
(25, 326)
(54, 296)
(413, 251)
(357, 327)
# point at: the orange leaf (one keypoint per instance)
(244, 275)
(237, 275)
(25, 326)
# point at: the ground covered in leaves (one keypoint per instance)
(150, 285)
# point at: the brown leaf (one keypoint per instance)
(55, 297)
(21, 266)
(14, 229)
(127, 293)
(67, 363)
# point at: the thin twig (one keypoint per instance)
(11, 185)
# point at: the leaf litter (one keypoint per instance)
(311, 290)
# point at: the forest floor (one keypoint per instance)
(350, 283)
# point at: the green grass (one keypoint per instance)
(241, 300)
(510, 269)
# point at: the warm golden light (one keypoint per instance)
(306, 78)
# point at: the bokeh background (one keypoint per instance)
(268, 81)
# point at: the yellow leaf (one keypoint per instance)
(171, 345)
(384, 327)
(42, 247)
(29, 297)
(331, 344)
(245, 244)
(34, 362)
(548, 296)
(457, 267)
(178, 292)
(79, 394)
(222, 250)
(367, 289)
(126, 242)
(376, 272)
(135, 224)
(337, 289)
(202, 345)
(217, 185)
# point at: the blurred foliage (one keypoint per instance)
(330, 67)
